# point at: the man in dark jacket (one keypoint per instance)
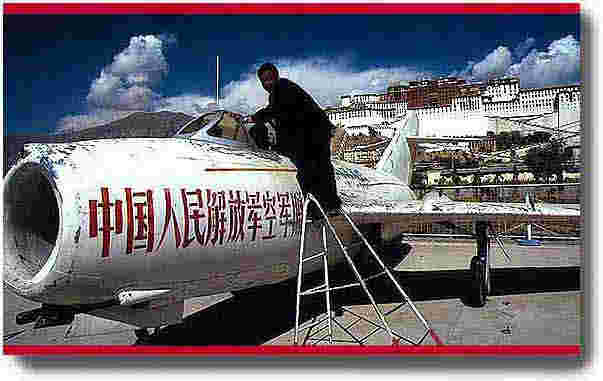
(303, 134)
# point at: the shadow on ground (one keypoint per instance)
(258, 315)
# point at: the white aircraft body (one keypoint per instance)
(130, 229)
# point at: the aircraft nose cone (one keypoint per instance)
(32, 219)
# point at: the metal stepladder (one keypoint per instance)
(378, 325)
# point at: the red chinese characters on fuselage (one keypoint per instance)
(140, 218)
(207, 217)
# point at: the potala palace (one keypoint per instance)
(452, 107)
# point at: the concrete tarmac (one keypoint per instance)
(528, 319)
(535, 301)
(511, 316)
(445, 255)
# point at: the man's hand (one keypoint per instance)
(263, 114)
(249, 119)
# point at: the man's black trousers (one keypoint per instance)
(316, 175)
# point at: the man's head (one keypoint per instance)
(268, 75)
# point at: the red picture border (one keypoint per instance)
(345, 350)
(280, 9)
(291, 8)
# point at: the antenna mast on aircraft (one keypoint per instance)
(217, 80)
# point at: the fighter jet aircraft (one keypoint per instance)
(130, 229)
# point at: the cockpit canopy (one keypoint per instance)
(221, 126)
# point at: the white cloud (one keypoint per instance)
(142, 61)
(559, 64)
(494, 65)
(127, 84)
(523, 48)
(325, 79)
(466, 73)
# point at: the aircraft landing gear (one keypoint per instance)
(144, 336)
(480, 267)
(477, 293)
(142, 333)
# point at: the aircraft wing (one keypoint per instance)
(441, 209)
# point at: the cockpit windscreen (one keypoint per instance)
(199, 123)
(222, 125)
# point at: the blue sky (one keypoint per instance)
(63, 72)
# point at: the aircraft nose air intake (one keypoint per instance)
(31, 225)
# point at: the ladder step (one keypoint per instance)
(323, 253)
(319, 255)
(322, 288)
(315, 290)
(333, 340)
(396, 308)
(344, 286)
(313, 324)
(375, 276)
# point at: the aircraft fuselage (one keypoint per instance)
(84, 221)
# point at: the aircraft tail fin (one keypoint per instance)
(396, 159)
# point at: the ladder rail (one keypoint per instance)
(328, 292)
(300, 267)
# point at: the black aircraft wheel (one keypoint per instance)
(477, 296)
(142, 333)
